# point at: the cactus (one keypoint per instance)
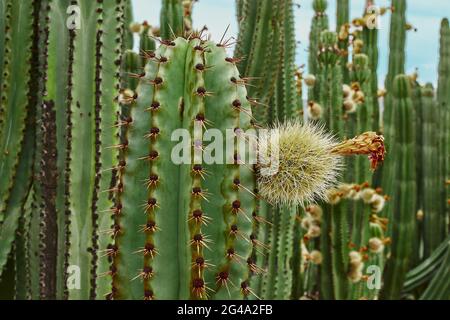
(318, 25)
(443, 100)
(260, 47)
(176, 18)
(17, 112)
(403, 193)
(370, 48)
(342, 29)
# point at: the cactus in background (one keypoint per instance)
(176, 18)
(171, 19)
(433, 223)
(260, 47)
(17, 114)
(319, 24)
(403, 192)
(397, 41)
(443, 99)
(370, 38)
(342, 29)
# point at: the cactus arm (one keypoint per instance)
(14, 99)
(83, 147)
(172, 94)
(283, 284)
(326, 269)
(297, 273)
(219, 80)
(262, 24)
(339, 253)
(433, 223)
(319, 24)
(19, 192)
(56, 83)
(130, 214)
(171, 19)
(370, 48)
(443, 100)
(404, 193)
(113, 18)
(343, 18)
(128, 38)
(287, 75)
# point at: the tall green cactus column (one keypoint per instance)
(342, 28)
(334, 238)
(318, 25)
(17, 93)
(433, 218)
(403, 202)
(397, 41)
(370, 48)
(443, 99)
(260, 50)
(184, 224)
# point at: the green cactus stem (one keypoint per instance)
(403, 190)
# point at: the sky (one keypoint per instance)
(422, 46)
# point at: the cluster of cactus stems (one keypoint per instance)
(91, 200)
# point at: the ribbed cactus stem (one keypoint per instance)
(370, 48)
(261, 48)
(171, 19)
(397, 42)
(443, 99)
(434, 223)
(198, 252)
(16, 105)
(342, 29)
(402, 187)
(319, 24)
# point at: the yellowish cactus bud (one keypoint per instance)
(376, 245)
(136, 27)
(316, 257)
(350, 106)
(314, 111)
(310, 80)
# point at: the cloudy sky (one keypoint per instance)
(422, 46)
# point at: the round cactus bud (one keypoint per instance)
(306, 165)
(355, 257)
(127, 97)
(310, 80)
(136, 27)
(315, 211)
(367, 195)
(306, 223)
(349, 106)
(346, 90)
(314, 111)
(419, 215)
(313, 231)
(376, 245)
(316, 257)
(378, 202)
